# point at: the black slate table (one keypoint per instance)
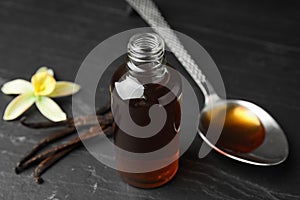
(255, 44)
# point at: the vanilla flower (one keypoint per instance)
(43, 86)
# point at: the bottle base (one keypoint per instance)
(152, 179)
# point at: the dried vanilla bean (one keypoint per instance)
(70, 122)
(52, 138)
(93, 131)
(49, 161)
(51, 156)
(104, 120)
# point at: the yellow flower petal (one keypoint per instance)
(64, 88)
(18, 86)
(43, 83)
(45, 69)
(18, 106)
(50, 109)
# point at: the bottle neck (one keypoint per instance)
(146, 56)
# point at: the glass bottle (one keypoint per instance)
(145, 80)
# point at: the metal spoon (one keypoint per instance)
(274, 148)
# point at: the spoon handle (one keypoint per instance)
(150, 13)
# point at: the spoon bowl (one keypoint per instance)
(273, 148)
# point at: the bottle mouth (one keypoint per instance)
(145, 48)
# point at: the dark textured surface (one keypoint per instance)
(255, 44)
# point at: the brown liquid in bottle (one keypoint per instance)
(242, 132)
(139, 109)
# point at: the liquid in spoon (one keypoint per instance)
(242, 132)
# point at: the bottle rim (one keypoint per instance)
(145, 48)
